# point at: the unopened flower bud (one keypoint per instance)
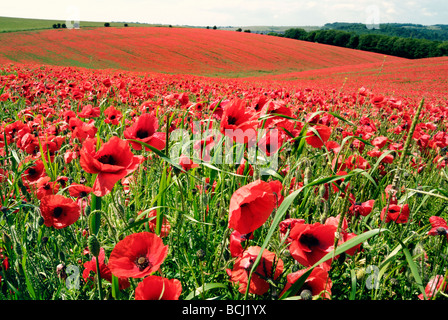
(94, 245)
(306, 294)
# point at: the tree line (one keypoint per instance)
(438, 32)
(411, 48)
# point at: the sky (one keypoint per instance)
(232, 12)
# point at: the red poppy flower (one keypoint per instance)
(345, 236)
(158, 288)
(235, 243)
(250, 206)
(152, 224)
(271, 142)
(144, 129)
(317, 283)
(202, 148)
(357, 162)
(287, 225)
(58, 211)
(376, 153)
(113, 116)
(269, 267)
(238, 123)
(333, 146)
(245, 167)
(311, 242)
(112, 162)
(90, 266)
(82, 130)
(88, 111)
(338, 183)
(317, 140)
(439, 227)
(396, 213)
(46, 187)
(77, 190)
(137, 255)
(186, 163)
(380, 142)
(434, 286)
(277, 188)
(33, 173)
(361, 208)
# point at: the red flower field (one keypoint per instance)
(193, 164)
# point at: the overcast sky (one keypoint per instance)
(232, 12)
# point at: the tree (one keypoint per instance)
(107, 24)
(296, 33)
(125, 24)
(239, 30)
(353, 42)
(214, 28)
(55, 26)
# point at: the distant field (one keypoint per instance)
(8, 24)
(195, 51)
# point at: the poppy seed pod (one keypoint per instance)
(94, 245)
(306, 295)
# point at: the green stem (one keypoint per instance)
(100, 291)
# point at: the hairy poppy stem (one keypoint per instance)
(100, 291)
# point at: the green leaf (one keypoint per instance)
(115, 288)
(414, 269)
(205, 287)
(29, 285)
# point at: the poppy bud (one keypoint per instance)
(40, 221)
(94, 245)
(200, 254)
(306, 295)
(44, 240)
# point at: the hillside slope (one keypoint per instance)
(177, 51)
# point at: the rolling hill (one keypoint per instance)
(194, 51)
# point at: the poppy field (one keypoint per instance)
(312, 185)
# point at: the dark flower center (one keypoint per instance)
(142, 134)
(232, 120)
(309, 240)
(107, 159)
(31, 171)
(82, 194)
(57, 212)
(112, 117)
(142, 263)
(441, 231)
